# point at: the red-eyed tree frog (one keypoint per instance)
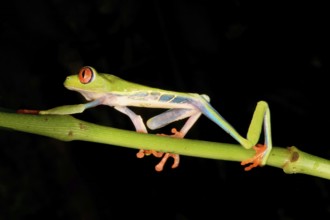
(106, 89)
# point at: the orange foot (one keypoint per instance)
(256, 159)
(159, 167)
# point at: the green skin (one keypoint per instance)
(106, 89)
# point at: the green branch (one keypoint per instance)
(68, 128)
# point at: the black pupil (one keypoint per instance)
(83, 74)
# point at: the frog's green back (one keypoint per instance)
(121, 85)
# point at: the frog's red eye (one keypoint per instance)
(86, 75)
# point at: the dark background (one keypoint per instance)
(237, 52)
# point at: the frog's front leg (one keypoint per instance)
(159, 121)
(168, 117)
(136, 119)
(139, 127)
(64, 110)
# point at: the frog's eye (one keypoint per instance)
(86, 75)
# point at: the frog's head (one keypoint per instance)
(89, 80)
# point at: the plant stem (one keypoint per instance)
(68, 128)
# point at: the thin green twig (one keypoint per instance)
(68, 128)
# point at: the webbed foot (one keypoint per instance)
(160, 166)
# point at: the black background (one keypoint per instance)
(237, 52)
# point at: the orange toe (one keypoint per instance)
(256, 159)
(143, 153)
(159, 167)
